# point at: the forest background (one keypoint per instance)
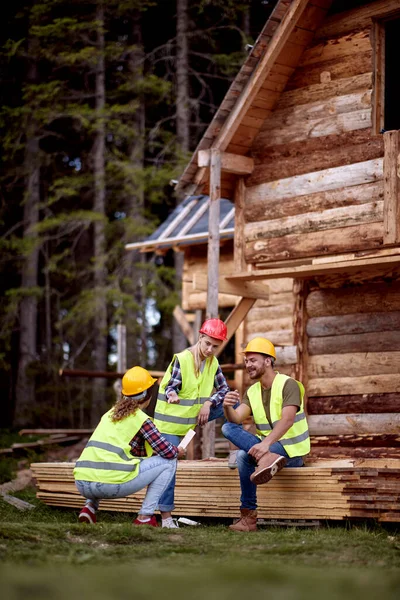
(101, 104)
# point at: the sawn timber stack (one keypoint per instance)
(339, 489)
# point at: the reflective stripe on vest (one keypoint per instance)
(178, 419)
(296, 440)
(106, 457)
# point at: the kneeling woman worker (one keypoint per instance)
(117, 460)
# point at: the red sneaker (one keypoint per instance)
(87, 516)
(152, 522)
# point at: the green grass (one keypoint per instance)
(47, 555)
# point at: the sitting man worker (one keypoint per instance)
(276, 403)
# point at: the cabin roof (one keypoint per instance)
(188, 225)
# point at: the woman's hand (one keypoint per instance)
(173, 398)
(181, 452)
(204, 413)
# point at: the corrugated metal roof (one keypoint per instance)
(188, 225)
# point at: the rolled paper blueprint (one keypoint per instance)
(184, 443)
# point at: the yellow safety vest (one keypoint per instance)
(106, 457)
(178, 419)
(296, 440)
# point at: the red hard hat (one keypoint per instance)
(214, 328)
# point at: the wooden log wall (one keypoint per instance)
(353, 369)
(317, 186)
(196, 262)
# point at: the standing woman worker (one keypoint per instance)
(185, 396)
(117, 460)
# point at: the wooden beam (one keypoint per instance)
(231, 163)
(260, 73)
(238, 243)
(236, 317)
(213, 234)
(356, 423)
(243, 289)
(306, 271)
(391, 189)
(184, 324)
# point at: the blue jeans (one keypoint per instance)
(166, 503)
(246, 464)
(155, 472)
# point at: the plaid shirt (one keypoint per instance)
(220, 385)
(149, 432)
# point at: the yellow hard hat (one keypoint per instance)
(136, 380)
(262, 346)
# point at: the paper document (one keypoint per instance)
(184, 443)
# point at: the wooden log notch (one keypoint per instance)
(391, 196)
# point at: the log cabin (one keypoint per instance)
(306, 147)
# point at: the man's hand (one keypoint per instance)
(173, 398)
(204, 413)
(231, 398)
(258, 451)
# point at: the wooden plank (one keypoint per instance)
(247, 290)
(380, 341)
(356, 403)
(324, 91)
(265, 64)
(391, 177)
(330, 241)
(354, 323)
(357, 18)
(307, 128)
(310, 222)
(235, 318)
(320, 181)
(376, 297)
(258, 209)
(369, 384)
(311, 270)
(339, 48)
(233, 163)
(331, 70)
(315, 154)
(184, 324)
(346, 364)
(354, 424)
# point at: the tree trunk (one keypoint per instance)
(136, 334)
(100, 322)
(25, 386)
(182, 132)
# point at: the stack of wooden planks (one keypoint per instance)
(322, 490)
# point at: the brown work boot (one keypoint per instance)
(268, 466)
(247, 521)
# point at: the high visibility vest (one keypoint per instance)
(178, 419)
(296, 440)
(106, 457)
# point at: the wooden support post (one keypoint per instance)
(238, 240)
(391, 178)
(235, 318)
(300, 290)
(213, 234)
